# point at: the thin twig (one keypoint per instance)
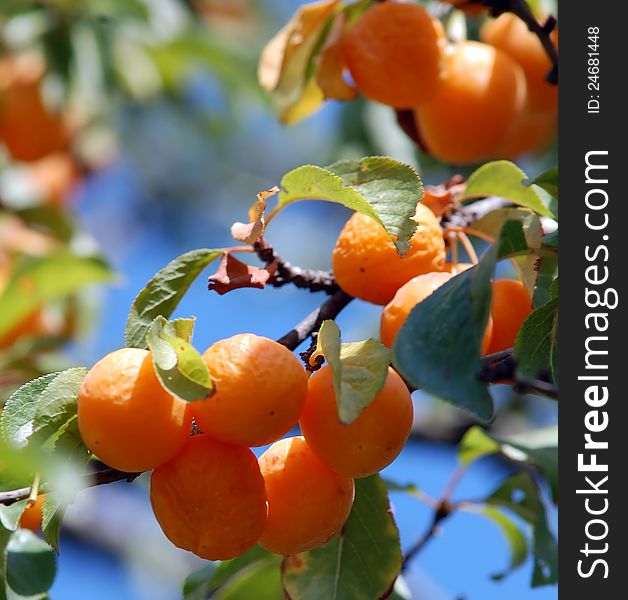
(309, 279)
(90, 480)
(503, 367)
(330, 309)
(440, 514)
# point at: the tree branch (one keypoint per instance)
(467, 214)
(502, 366)
(440, 514)
(103, 477)
(330, 309)
(309, 279)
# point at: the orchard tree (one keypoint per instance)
(311, 517)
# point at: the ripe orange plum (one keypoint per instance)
(31, 517)
(511, 35)
(126, 418)
(367, 265)
(369, 443)
(260, 391)
(477, 106)
(510, 307)
(308, 503)
(28, 128)
(210, 499)
(394, 54)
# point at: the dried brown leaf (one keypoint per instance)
(233, 274)
(251, 232)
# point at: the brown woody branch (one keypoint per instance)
(103, 477)
(443, 510)
(309, 279)
(502, 367)
(330, 309)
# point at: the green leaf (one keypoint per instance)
(382, 188)
(196, 585)
(52, 518)
(504, 179)
(553, 289)
(359, 370)
(476, 443)
(537, 341)
(547, 268)
(163, 293)
(408, 488)
(44, 279)
(261, 580)
(539, 447)
(39, 409)
(362, 561)
(204, 582)
(10, 515)
(547, 180)
(526, 265)
(520, 494)
(178, 365)
(53, 218)
(5, 534)
(514, 536)
(30, 564)
(438, 346)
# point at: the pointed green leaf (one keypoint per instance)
(538, 447)
(438, 347)
(476, 443)
(520, 494)
(362, 561)
(547, 180)
(178, 365)
(514, 536)
(382, 188)
(51, 519)
(359, 370)
(41, 410)
(261, 580)
(537, 341)
(204, 582)
(504, 179)
(196, 585)
(163, 293)
(10, 515)
(39, 281)
(30, 564)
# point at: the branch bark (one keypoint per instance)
(309, 279)
(502, 366)
(440, 514)
(330, 309)
(103, 477)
